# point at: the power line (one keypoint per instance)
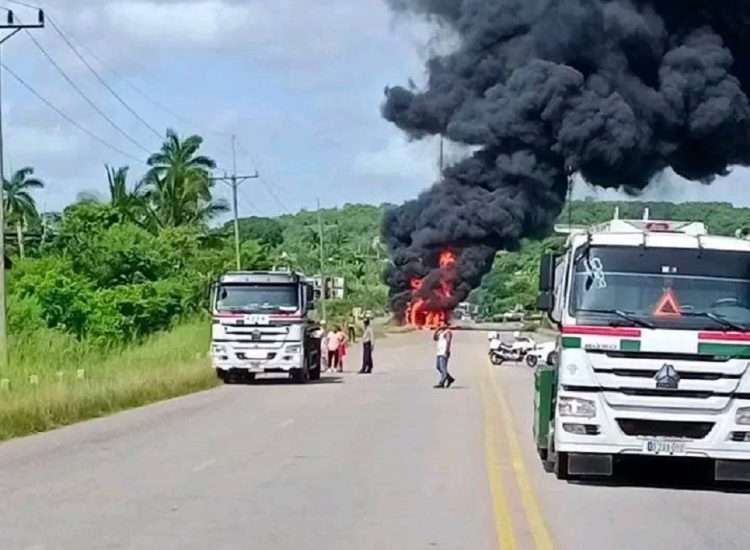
(84, 96)
(68, 118)
(145, 95)
(267, 186)
(24, 4)
(274, 196)
(102, 81)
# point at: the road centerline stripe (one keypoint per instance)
(503, 524)
(532, 509)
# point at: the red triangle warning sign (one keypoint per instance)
(668, 306)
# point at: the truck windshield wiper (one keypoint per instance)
(716, 318)
(628, 316)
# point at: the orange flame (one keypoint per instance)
(447, 259)
(416, 314)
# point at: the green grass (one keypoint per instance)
(167, 365)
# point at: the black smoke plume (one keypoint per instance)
(615, 90)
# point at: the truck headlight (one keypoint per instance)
(293, 348)
(742, 417)
(574, 406)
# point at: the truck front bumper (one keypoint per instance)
(704, 434)
(230, 358)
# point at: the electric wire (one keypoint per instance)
(67, 117)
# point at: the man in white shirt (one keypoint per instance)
(444, 338)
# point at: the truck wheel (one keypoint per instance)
(300, 376)
(561, 466)
(315, 371)
(552, 358)
(532, 360)
(222, 375)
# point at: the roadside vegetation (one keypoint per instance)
(60, 381)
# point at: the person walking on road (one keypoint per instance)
(368, 343)
(444, 338)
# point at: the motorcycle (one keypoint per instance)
(542, 353)
(500, 351)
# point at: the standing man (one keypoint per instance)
(444, 338)
(368, 343)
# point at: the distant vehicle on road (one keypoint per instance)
(514, 351)
(261, 325)
(542, 354)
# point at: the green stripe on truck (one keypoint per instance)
(630, 345)
(571, 342)
(725, 350)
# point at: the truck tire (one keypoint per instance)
(552, 358)
(315, 370)
(561, 466)
(300, 376)
(222, 375)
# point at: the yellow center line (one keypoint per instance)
(503, 525)
(532, 509)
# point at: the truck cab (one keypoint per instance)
(653, 349)
(261, 325)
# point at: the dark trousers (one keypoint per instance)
(442, 367)
(334, 359)
(367, 357)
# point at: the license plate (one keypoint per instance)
(257, 320)
(664, 447)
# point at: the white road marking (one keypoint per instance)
(204, 465)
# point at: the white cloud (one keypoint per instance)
(670, 187)
(401, 159)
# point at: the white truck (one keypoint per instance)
(261, 325)
(653, 350)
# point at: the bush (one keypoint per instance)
(25, 315)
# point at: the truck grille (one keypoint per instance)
(662, 428)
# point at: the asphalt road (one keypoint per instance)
(354, 462)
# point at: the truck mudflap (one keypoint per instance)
(732, 470)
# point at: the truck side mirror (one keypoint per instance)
(546, 300)
(211, 298)
(547, 273)
(310, 297)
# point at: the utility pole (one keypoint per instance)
(322, 266)
(234, 182)
(14, 28)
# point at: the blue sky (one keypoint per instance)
(299, 81)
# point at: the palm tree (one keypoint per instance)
(128, 203)
(20, 207)
(178, 185)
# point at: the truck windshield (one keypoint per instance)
(662, 287)
(257, 298)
